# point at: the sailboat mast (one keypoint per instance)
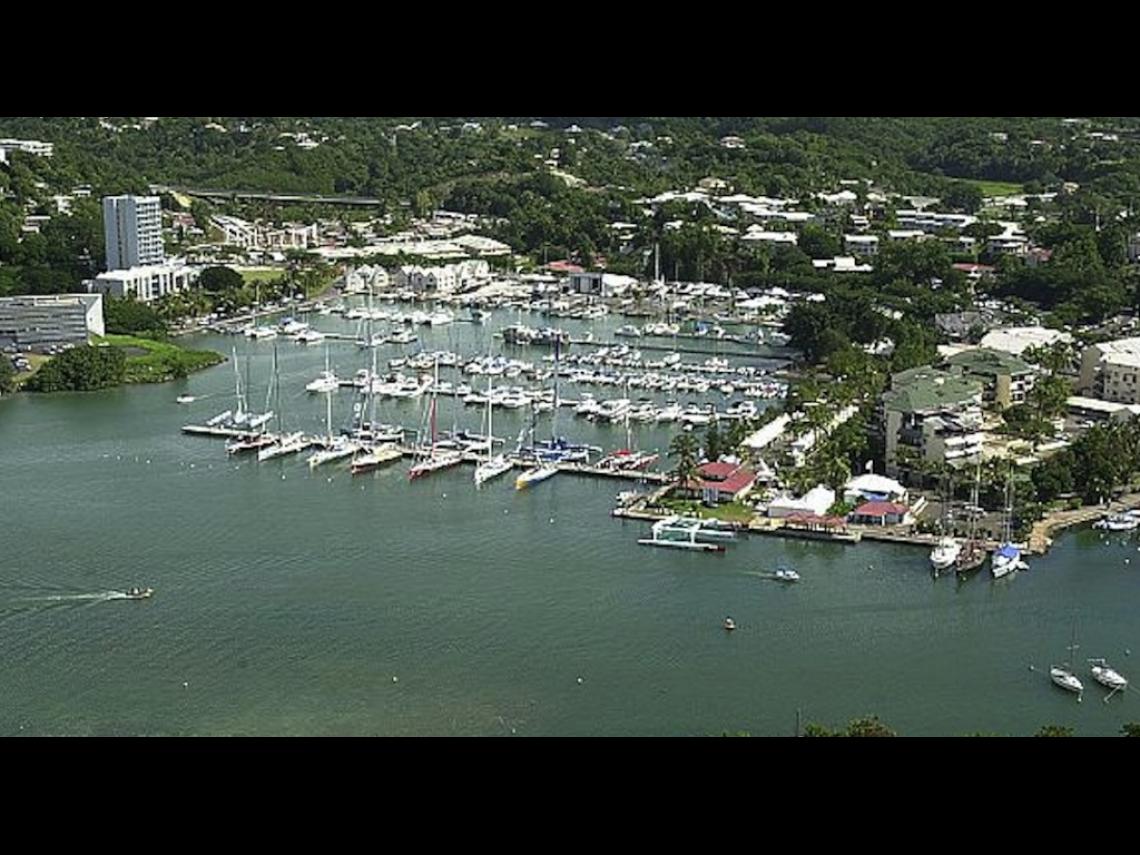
(554, 417)
(490, 416)
(277, 392)
(434, 387)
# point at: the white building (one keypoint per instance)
(42, 321)
(861, 245)
(451, 277)
(816, 501)
(927, 221)
(132, 227)
(757, 235)
(1016, 340)
(40, 149)
(359, 280)
(239, 232)
(600, 284)
(145, 283)
(1106, 370)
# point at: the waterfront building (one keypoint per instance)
(815, 502)
(930, 415)
(144, 283)
(1006, 379)
(132, 228)
(38, 322)
(239, 232)
(600, 284)
(358, 280)
(881, 513)
(724, 481)
(870, 487)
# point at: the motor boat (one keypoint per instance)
(945, 553)
(326, 382)
(729, 624)
(185, 399)
(786, 574)
(1006, 558)
(138, 593)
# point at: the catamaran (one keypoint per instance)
(429, 458)
(493, 466)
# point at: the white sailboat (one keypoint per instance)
(287, 443)
(326, 381)
(1063, 676)
(1007, 557)
(1108, 676)
(493, 466)
(337, 447)
(945, 553)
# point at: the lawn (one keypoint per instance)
(997, 188)
(261, 274)
(730, 512)
(150, 361)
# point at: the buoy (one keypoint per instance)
(552, 520)
(185, 684)
(395, 679)
(445, 495)
(579, 681)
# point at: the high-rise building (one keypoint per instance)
(132, 226)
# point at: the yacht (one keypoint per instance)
(945, 553)
(438, 319)
(1063, 676)
(138, 593)
(374, 459)
(341, 447)
(185, 399)
(786, 574)
(613, 410)
(729, 624)
(1006, 559)
(628, 330)
(309, 336)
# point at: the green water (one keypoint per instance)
(290, 602)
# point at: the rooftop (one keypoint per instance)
(926, 388)
(990, 362)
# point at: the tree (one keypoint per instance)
(7, 375)
(1130, 729)
(684, 448)
(81, 369)
(130, 317)
(220, 279)
(713, 443)
(1054, 730)
(963, 196)
(817, 242)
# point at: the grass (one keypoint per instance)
(261, 274)
(37, 360)
(997, 188)
(736, 512)
(150, 361)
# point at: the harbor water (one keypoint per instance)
(298, 602)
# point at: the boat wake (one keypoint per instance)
(100, 596)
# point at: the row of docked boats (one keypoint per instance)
(1126, 521)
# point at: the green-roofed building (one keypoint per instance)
(930, 415)
(1007, 379)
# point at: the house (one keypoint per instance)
(862, 245)
(1017, 340)
(880, 513)
(600, 284)
(1109, 371)
(724, 481)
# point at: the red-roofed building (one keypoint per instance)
(880, 513)
(725, 482)
(564, 267)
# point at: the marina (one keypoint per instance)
(299, 626)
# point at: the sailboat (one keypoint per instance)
(326, 381)
(256, 438)
(372, 450)
(544, 468)
(287, 443)
(493, 466)
(429, 458)
(335, 447)
(1063, 676)
(1108, 676)
(972, 555)
(558, 448)
(1007, 557)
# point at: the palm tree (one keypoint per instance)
(684, 448)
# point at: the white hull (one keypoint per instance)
(491, 469)
(328, 455)
(374, 459)
(292, 444)
(444, 460)
(1066, 680)
(943, 556)
(533, 476)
